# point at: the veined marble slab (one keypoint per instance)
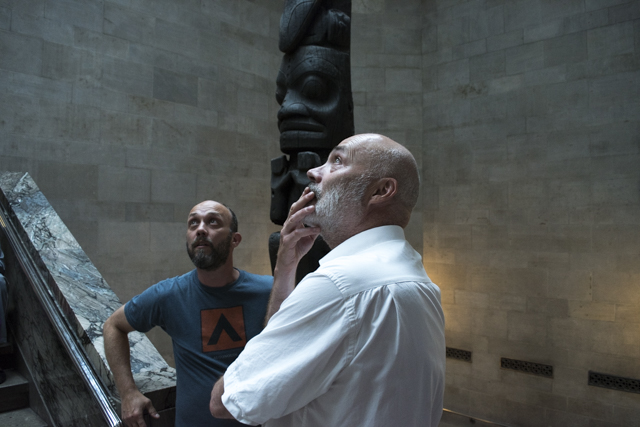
(86, 299)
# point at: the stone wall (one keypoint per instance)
(127, 113)
(386, 74)
(531, 155)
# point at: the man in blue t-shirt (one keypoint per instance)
(210, 314)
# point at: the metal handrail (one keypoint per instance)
(60, 323)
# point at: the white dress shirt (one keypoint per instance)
(358, 343)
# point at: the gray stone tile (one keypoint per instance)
(454, 33)
(127, 76)
(20, 53)
(124, 184)
(487, 23)
(59, 180)
(67, 122)
(565, 50)
(505, 40)
(585, 21)
(550, 9)
(128, 24)
(172, 187)
(175, 87)
(121, 129)
(619, 89)
(467, 50)
(176, 38)
(403, 80)
(82, 13)
(31, 7)
(601, 4)
(167, 235)
(156, 57)
(100, 43)
(152, 212)
(124, 238)
(544, 31)
(614, 139)
(487, 67)
(524, 58)
(609, 41)
(5, 18)
(402, 41)
(17, 164)
(523, 14)
(453, 73)
(489, 107)
(31, 87)
(65, 63)
(624, 12)
(38, 26)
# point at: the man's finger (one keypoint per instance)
(305, 198)
(295, 220)
(300, 233)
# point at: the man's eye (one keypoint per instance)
(337, 160)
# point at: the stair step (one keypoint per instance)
(21, 418)
(14, 392)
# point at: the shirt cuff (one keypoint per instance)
(229, 401)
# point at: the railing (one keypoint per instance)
(61, 302)
(58, 320)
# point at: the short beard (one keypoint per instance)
(338, 205)
(215, 259)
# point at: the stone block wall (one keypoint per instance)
(523, 115)
(531, 208)
(386, 75)
(127, 113)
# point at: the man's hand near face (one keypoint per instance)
(295, 241)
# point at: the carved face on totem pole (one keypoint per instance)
(316, 106)
(314, 91)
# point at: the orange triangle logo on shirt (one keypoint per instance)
(222, 329)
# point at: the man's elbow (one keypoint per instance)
(218, 410)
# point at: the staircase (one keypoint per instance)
(14, 394)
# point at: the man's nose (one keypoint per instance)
(200, 230)
(315, 174)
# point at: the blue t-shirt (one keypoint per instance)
(209, 328)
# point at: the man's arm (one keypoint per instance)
(295, 241)
(116, 348)
(218, 410)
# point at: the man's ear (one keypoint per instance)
(383, 191)
(236, 239)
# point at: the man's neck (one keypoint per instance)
(220, 277)
(343, 232)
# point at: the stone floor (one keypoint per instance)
(453, 419)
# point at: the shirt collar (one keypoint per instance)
(365, 240)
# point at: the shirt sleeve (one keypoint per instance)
(295, 359)
(144, 311)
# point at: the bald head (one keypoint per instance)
(382, 157)
(207, 205)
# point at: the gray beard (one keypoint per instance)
(337, 206)
(213, 260)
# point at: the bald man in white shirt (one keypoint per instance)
(360, 341)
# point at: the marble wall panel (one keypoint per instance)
(86, 301)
